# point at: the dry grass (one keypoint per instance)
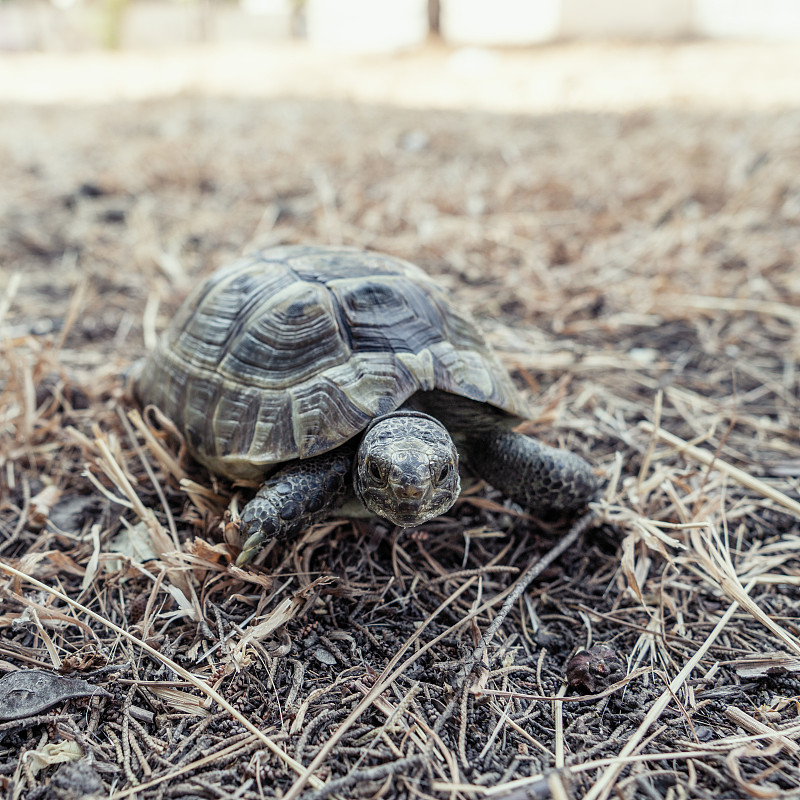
(637, 271)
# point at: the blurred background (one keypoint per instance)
(508, 54)
(383, 25)
(564, 166)
(605, 151)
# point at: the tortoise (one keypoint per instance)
(341, 377)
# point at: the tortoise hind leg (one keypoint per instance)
(543, 479)
(300, 494)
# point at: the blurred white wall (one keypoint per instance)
(373, 26)
(366, 26)
(770, 20)
(512, 22)
(628, 19)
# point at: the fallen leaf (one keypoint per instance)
(31, 691)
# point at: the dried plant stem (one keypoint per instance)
(14, 282)
(521, 584)
(175, 667)
(739, 475)
(385, 680)
(604, 785)
(739, 717)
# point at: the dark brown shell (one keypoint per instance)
(294, 350)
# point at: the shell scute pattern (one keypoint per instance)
(372, 382)
(285, 340)
(199, 428)
(388, 314)
(236, 416)
(329, 264)
(323, 414)
(216, 313)
(293, 351)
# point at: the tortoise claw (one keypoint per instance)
(251, 547)
(256, 532)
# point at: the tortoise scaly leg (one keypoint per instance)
(300, 494)
(540, 478)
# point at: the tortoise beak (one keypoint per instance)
(407, 514)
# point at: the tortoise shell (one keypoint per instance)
(292, 351)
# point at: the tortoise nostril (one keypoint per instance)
(409, 492)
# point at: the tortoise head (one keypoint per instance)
(407, 468)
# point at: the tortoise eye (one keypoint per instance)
(374, 470)
(443, 473)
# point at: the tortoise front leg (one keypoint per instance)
(540, 478)
(293, 498)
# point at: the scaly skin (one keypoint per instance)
(542, 479)
(300, 494)
(406, 470)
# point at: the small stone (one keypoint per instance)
(593, 670)
(414, 141)
(324, 656)
(704, 733)
(75, 780)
